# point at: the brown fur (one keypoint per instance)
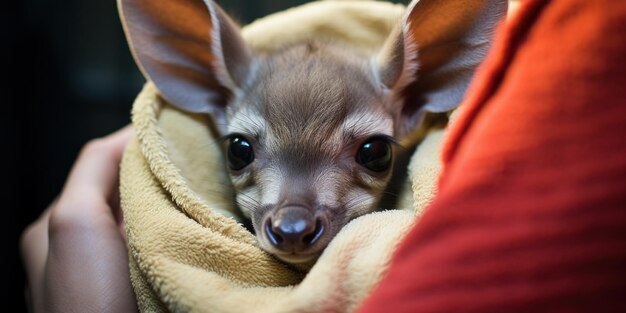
(306, 110)
(304, 96)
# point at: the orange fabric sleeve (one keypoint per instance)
(531, 210)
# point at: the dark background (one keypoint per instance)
(68, 76)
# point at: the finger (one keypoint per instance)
(116, 208)
(34, 243)
(34, 251)
(90, 263)
(95, 174)
(98, 162)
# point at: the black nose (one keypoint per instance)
(293, 229)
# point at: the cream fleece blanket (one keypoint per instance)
(187, 250)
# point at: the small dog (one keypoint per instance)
(310, 131)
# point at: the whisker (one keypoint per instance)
(389, 193)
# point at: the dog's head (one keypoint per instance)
(309, 130)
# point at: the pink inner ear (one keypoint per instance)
(453, 37)
(431, 62)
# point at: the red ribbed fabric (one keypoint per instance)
(531, 212)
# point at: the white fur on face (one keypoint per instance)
(247, 199)
(246, 121)
(241, 181)
(328, 185)
(363, 124)
(271, 183)
(358, 202)
(331, 184)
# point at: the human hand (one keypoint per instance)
(75, 254)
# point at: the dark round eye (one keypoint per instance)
(240, 153)
(375, 154)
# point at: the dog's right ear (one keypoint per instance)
(190, 49)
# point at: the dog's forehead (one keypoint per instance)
(302, 101)
(308, 92)
(314, 80)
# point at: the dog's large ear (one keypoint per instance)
(431, 57)
(190, 49)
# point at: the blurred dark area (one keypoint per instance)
(68, 76)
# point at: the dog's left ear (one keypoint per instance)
(431, 57)
(190, 49)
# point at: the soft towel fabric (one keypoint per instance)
(188, 253)
(531, 212)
